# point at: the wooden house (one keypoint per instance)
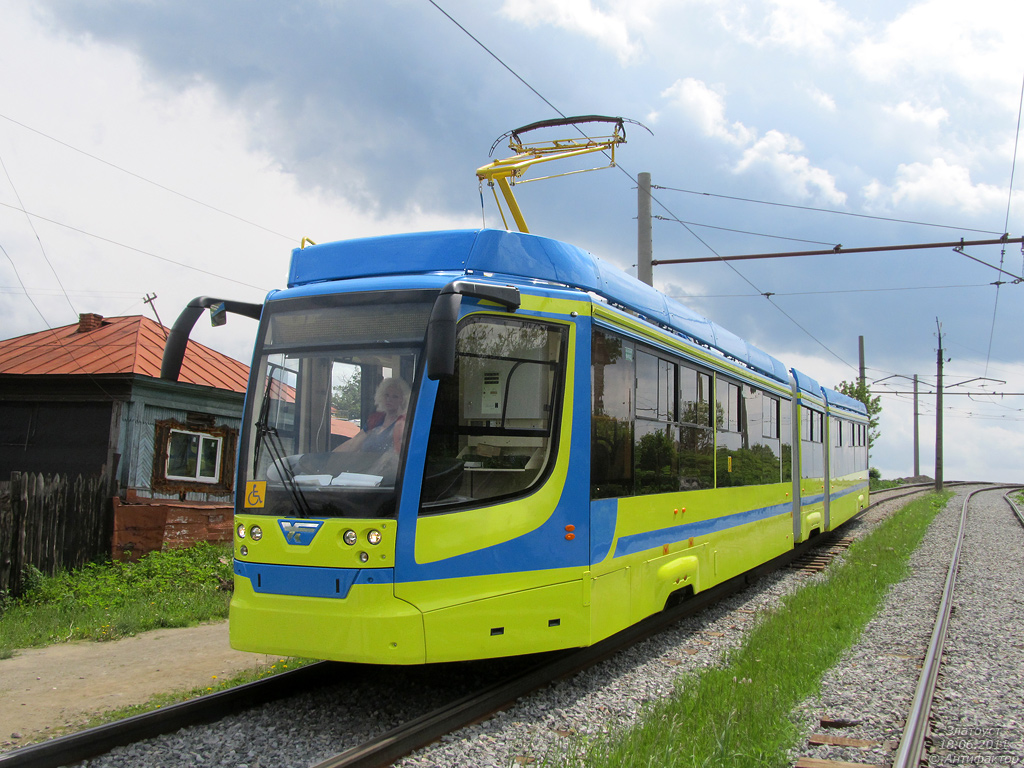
(87, 399)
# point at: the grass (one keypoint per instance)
(172, 588)
(738, 714)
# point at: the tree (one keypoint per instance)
(346, 399)
(859, 391)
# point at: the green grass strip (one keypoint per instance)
(738, 714)
(108, 601)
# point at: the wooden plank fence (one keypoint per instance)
(52, 523)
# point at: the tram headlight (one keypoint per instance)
(240, 530)
(255, 533)
(350, 537)
(373, 536)
(363, 557)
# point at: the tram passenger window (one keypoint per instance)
(611, 440)
(493, 431)
(748, 456)
(696, 438)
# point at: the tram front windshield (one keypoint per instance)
(330, 405)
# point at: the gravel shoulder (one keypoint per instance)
(43, 690)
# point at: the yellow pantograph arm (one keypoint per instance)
(505, 172)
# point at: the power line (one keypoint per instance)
(149, 181)
(827, 210)
(132, 248)
(828, 293)
(1006, 222)
(633, 179)
(741, 231)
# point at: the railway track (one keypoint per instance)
(419, 731)
(946, 739)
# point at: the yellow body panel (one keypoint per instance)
(542, 619)
(370, 625)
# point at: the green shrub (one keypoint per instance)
(171, 588)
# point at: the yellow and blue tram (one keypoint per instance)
(473, 444)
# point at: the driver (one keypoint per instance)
(386, 427)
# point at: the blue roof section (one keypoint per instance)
(524, 256)
(806, 384)
(844, 402)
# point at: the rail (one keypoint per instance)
(912, 744)
(390, 746)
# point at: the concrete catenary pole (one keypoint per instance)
(644, 242)
(938, 414)
(917, 435)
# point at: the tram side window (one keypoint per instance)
(611, 441)
(657, 449)
(786, 439)
(493, 432)
(812, 429)
(752, 455)
(696, 436)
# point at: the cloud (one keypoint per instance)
(802, 26)
(916, 113)
(939, 184)
(822, 99)
(775, 151)
(707, 109)
(614, 28)
(778, 153)
(976, 44)
(810, 25)
(188, 139)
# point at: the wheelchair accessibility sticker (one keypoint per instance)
(255, 494)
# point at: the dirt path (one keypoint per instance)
(44, 689)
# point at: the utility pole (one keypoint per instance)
(644, 240)
(938, 413)
(861, 344)
(150, 299)
(917, 437)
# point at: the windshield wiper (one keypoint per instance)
(277, 455)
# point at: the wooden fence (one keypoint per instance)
(51, 523)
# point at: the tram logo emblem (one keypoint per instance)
(300, 532)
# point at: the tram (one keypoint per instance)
(481, 443)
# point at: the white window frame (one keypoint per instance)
(197, 478)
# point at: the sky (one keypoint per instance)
(183, 148)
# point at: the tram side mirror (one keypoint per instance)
(444, 318)
(218, 314)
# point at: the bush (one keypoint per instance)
(171, 588)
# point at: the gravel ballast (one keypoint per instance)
(980, 685)
(302, 732)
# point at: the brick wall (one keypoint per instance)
(143, 527)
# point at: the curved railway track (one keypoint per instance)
(382, 750)
(869, 708)
(912, 748)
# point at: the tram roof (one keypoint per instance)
(521, 255)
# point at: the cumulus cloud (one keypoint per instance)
(822, 99)
(971, 42)
(616, 28)
(810, 26)
(938, 183)
(916, 113)
(707, 108)
(779, 154)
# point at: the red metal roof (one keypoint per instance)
(112, 345)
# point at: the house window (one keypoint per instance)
(196, 456)
(193, 456)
